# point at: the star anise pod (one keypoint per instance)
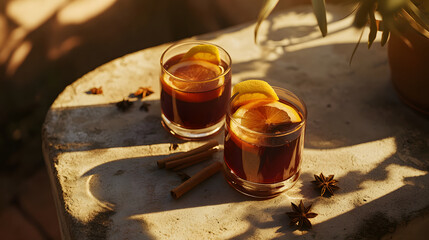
(326, 184)
(173, 146)
(95, 90)
(145, 107)
(124, 105)
(143, 92)
(300, 216)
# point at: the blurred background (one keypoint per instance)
(47, 44)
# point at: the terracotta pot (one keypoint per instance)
(409, 66)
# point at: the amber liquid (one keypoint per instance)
(195, 109)
(263, 164)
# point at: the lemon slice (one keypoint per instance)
(251, 90)
(204, 52)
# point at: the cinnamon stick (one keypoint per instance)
(191, 159)
(185, 165)
(196, 179)
(202, 148)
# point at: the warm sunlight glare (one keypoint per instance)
(80, 11)
(67, 45)
(364, 163)
(16, 36)
(3, 30)
(18, 57)
(97, 191)
(31, 14)
(98, 202)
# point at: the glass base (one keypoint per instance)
(191, 134)
(259, 190)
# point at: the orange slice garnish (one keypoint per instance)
(263, 116)
(188, 76)
(195, 70)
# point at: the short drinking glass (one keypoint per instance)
(194, 92)
(263, 159)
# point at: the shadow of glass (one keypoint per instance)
(136, 189)
(277, 220)
(137, 186)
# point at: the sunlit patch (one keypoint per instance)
(32, 14)
(18, 57)
(80, 11)
(14, 39)
(397, 176)
(92, 179)
(66, 46)
(3, 30)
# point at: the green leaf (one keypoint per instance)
(417, 15)
(415, 25)
(267, 8)
(389, 24)
(372, 28)
(319, 8)
(361, 17)
(385, 36)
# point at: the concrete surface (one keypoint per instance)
(102, 161)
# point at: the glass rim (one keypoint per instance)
(178, 44)
(279, 134)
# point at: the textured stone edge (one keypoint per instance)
(50, 155)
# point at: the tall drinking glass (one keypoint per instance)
(194, 93)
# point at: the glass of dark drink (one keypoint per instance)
(264, 140)
(195, 89)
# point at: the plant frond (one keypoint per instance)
(372, 27)
(319, 9)
(385, 35)
(361, 16)
(393, 28)
(418, 16)
(267, 8)
(356, 46)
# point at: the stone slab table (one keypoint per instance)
(107, 185)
